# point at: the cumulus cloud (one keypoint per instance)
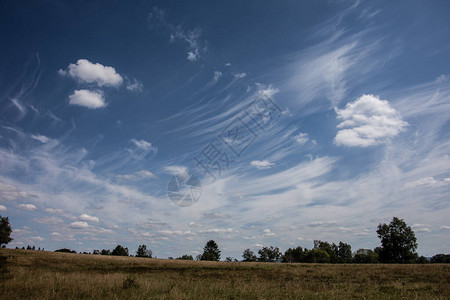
(301, 138)
(27, 206)
(2, 208)
(86, 98)
(262, 164)
(86, 72)
(444, 227)
(368, 121)
(78, 225)
(88, 218)
(10, 193)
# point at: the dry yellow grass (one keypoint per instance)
(48, 275)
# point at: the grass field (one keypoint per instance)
(48, 275)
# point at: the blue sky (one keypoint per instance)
(103, 103)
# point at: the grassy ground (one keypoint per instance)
(44, 275)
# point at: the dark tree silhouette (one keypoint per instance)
(398, 242)
(143, 252)
(248, 255)
(269, 254)
(211, 251)
(120, 251)
(5, 231)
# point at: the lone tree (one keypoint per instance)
(398, 242)
(143, 252)
(5, 231)
(211, 251)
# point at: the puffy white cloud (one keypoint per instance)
(86, 98)
(262, 164)
(27, 206)
(368, 121)
(2, 208)
(78, 225)
(87, 72)
(10, 193)
(88, 218)
(268, 232)
(301, 138)
(444, 227)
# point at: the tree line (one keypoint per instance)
(398, 245)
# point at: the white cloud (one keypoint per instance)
(258, 245)
(2, 208)
(136, 86)
(368, 121)
(217, 75)
(87, 99)
(217, 230)
(139, 174)
(55, 234)
(239, 75)
(27, 206)
(48, 220)
(421, 227)
(428, 182)
(54, 210)
(37, 238)
(87, 72)
(78, 225)
(88, 218)
(41, 138)
(444, 227)
(441, 78)
(142, 144)
(301, 138)
(10, 193)
(268, 232)
(262, 164)
(175, 170)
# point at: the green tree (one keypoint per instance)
(441, 259)
(317, 256)
(211, 251)
(294, 255)
(331, 249)
(143, 252)
(186, 257)
(120, 251)
(5, 231)
(248, 255)
(365, 256)
(398, 242)
(269, 254)
(344, 253)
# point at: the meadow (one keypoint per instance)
(48, 275)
